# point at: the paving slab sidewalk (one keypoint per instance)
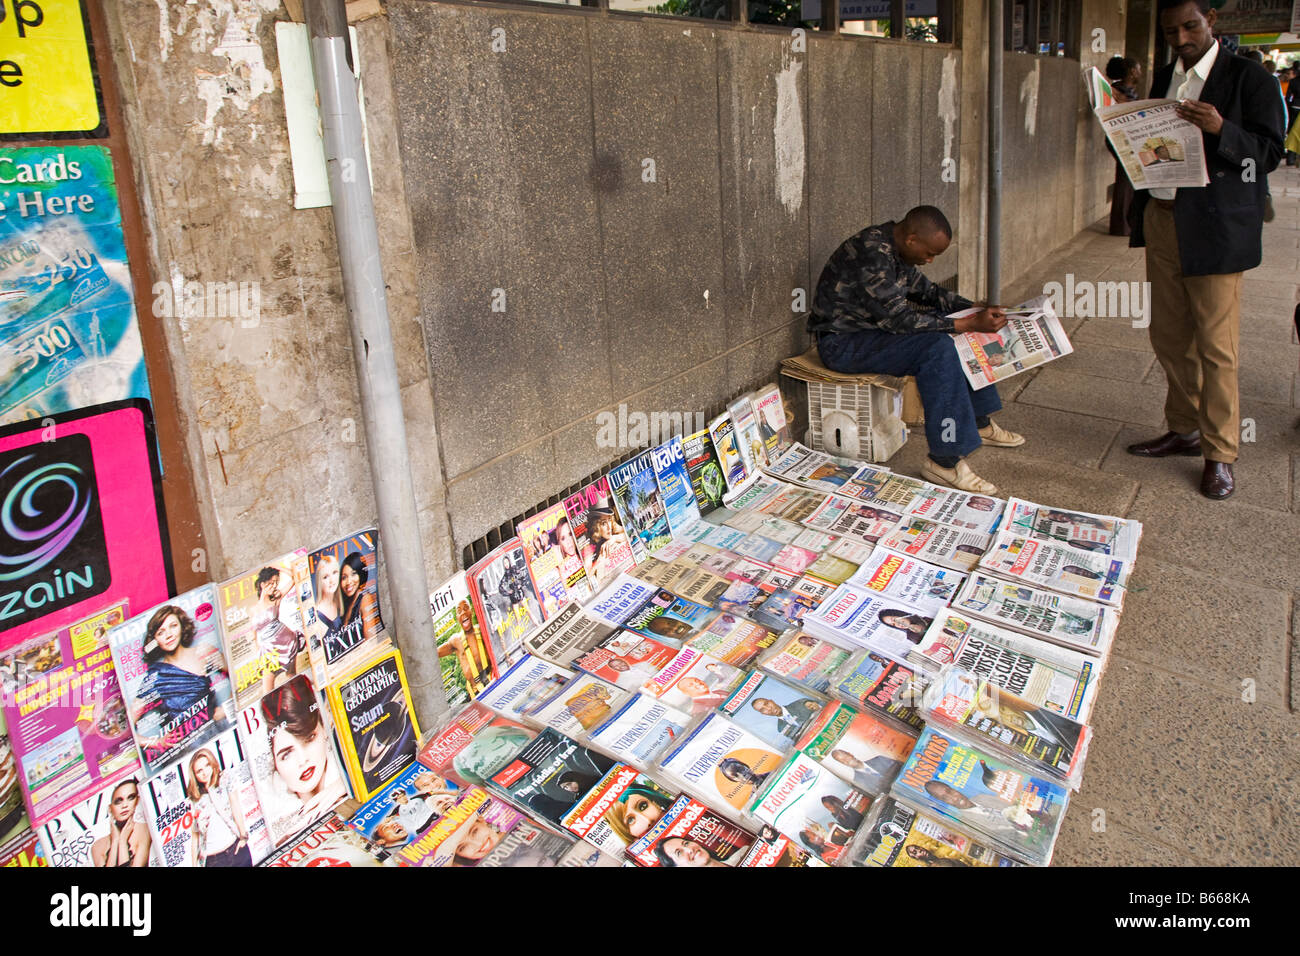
(1196, 756)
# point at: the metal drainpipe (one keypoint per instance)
(372, 350)
(993, 252)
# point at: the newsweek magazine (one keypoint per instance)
(68, 734)
(1033, 336)
(203, 809)
(1072, 623)
(675, 486)
(707, 480)
(1048, 676)
(772, 849)
(464, 653)
(106, 829)
(567, 636)
(772, 710)
(1100, 534)
(800, 465)
(694, 681)
(882, 687)
(807, 660)
(873, 621)
(504, 601)
(467, 748)
(723, 432)
(813, 807)
(578, 707)
(551, 553)
(858, 747)
(550, 775)
(723, 764)
(749, 441)
(527, 684)
(926, 587)
(690, 834)
(941, 544)
(341, 617)
(979, 513)
(602, 540)
(287, 738)
(1058, 567)
(403, 811)
(378, 734)
(172, 673)
(983, 794)
(772, 425)
(627, 660)
(864, 521)
(262, 626)
(973, 709)
(640, 730)
(640, 506)
(734, 640)
(619, 810)
(330, 843)
(898, 836)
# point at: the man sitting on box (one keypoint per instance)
(874, 312)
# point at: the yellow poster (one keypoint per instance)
(46, 85)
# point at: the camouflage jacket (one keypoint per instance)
(867, 285)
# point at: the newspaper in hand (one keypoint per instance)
(1033, 336)
(1156, 147)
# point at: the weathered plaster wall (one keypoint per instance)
(275, 433)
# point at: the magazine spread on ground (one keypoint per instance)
(1058, 567)
(1033, 336)
(567, 636)
(627, 660)
(107, 829)
(330, 843)
(984, 794)
(898, 836)
(675, 487)
(527, 684)
(551, 552)
(694, 681)
(945, 545)
(772, 710)
(640, 731)
(926, 587)
(172, 673)
(812, 806)
(773, 428)
(1100, 534)
(772, 849)
(580, 706)
(1070, 622)
(817, 470)
(690, 834)
(640, 505)
(402, 812)
(883, 687)
(550, 775)
(619, 810)
(864, 521)
(708, 482)
(858, 747)
(749, 441)
(723, 432)
(1049, 676)
(973, 709)
(807, 660)
(474, 743)
(874, 621)
(723, 764)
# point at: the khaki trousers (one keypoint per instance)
(1195, 322)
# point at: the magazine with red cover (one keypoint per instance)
(690, 834)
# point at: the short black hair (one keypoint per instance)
(1115, 69)
(925, 220)
(1253, 55)
(1203, 5)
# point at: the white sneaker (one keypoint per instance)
(998, 437)
(961, 478)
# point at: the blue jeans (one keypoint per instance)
(951, 405)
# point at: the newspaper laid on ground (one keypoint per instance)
(1154, 145)
(1033, 336)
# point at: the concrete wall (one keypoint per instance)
(520, 178)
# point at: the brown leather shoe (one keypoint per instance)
(1216, 481)
(1170, 443)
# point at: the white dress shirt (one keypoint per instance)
(1187, 85)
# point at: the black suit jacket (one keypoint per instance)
(1219, 225)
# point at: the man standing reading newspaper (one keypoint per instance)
(875, 312)
(1199, 241)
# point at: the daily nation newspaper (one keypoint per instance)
(1033, 336)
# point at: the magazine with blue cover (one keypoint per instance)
(675, 485)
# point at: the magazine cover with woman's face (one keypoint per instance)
(106, 829)
(289, 741)
(203, 808)
(172, 672)
(343, 614)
